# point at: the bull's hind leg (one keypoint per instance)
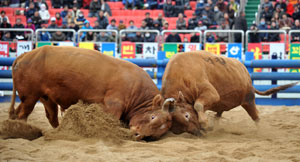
(26, 106)
(250, 107)
(207, 98)
(51, 109)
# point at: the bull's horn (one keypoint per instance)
(169, 105)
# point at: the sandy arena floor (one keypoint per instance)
(236, 138)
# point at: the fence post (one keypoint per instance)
(161, 55)
(249, 57)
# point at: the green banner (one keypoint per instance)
(295, 54)
(170, 49)
(40, 44)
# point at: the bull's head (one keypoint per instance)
(152, 124)
(185, 118)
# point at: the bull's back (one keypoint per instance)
(184, 71)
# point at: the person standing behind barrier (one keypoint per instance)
(222, 36)
(44, 35)
(254, 36)
(200, 26)
(273, 37)
(85, 26)
(58, 36)
(103, 37)
(103, 21)
(296, 36)
(112, 26)
(4, 24)
(45, 16)
(173, 37)
(240, 23)
(180, 23)
(29, 25)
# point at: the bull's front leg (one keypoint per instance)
(208, 96)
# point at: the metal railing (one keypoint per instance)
(97, 30)
(290, 35)
(54, 30)
(134, 31)
(20, 30)
(181, 31)
(230, 32)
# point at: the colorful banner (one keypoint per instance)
(295, 54)
(4, 52)
(213, 48)
(170, 49)
(86, 45)
(128, 50)
(108, 49)
(150, 50)
(256, 48)
(277, 51)
(66, 44)
(23, 46)
(192, 47)
(41, 44)
(234, 50)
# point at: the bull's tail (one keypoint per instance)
(12, 114)
(275, 89)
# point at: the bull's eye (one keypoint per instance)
(152, 117)
(187, 116)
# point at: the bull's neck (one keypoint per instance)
(139, 109)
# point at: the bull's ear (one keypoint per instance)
(158, 100)
(180, 97)
(169, 105)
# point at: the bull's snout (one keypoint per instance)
(136, 135)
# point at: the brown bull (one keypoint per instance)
(63, 75)
(201, 81)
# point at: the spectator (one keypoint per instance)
(138, 38)
(263, 26)
(160, 4)
(149, 37)
(195, 38)
(156, 26)
(160, 19)
(52, 23)
(69, 18)
(139, 4)
(86, 4)
(57, 3)
(179, 7)
(254, 36)
(5, 24)
(69, 3)
(105, 7)
(169, 9)
(151, 4)
(80, 20)
(96, 25)
(199, 8)
(276, 18)
(289, 8)
(180, 23)
(44, 35)
(231, 12)
(221, 36)
(19, 34)
(186, 4)
(205, 20)
(58, 36)
(209, 13)
(287, 20)
(148, 20)
(193, 22)
(67, 34)
(37, 20)
(266, 14)
(45, 16)
(30, 11)
(173, 37)
(284, 26)
(131, 26)
(65, 12)
(129, 4)
(144, 26)
(281, 4)
(233, 4)
(221, 5)
(3, 15)
(273, 37)
(7, 37)
(296, 14)
(86, 26)
(267, 3)
(78, 3)
(218, 16)
(278, 11)
(4, 3)
(103, 22)
(166, 26)
(228, 21)
(72, 26)
(58, 18)
(121, 25)
(240, 23)
(112, 25)
(95, 6)
(75, 12)
(296, 36)
(200, 26)
(29, 25)
(90, 37)
(210, 38)
(39, 3)
(103, 37)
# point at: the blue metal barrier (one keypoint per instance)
(161, 63)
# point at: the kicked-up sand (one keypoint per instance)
(234, 138)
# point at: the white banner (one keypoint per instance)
(65, 44)
(191, 47)
(23, 46)
(150, 50)
(277, 51)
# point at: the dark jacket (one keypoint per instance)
(168, 10)
(29, 13)
(103, 22)
(173, 38)
(240, 23)
(61, 37)
(20, 32)
(37, 21)
(193, 22)
(149, 22)
(95, 6)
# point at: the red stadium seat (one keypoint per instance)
(119, 5)
(188, 13)
(9, 11)
(85, 12)
(156, 12)
(193, 5)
